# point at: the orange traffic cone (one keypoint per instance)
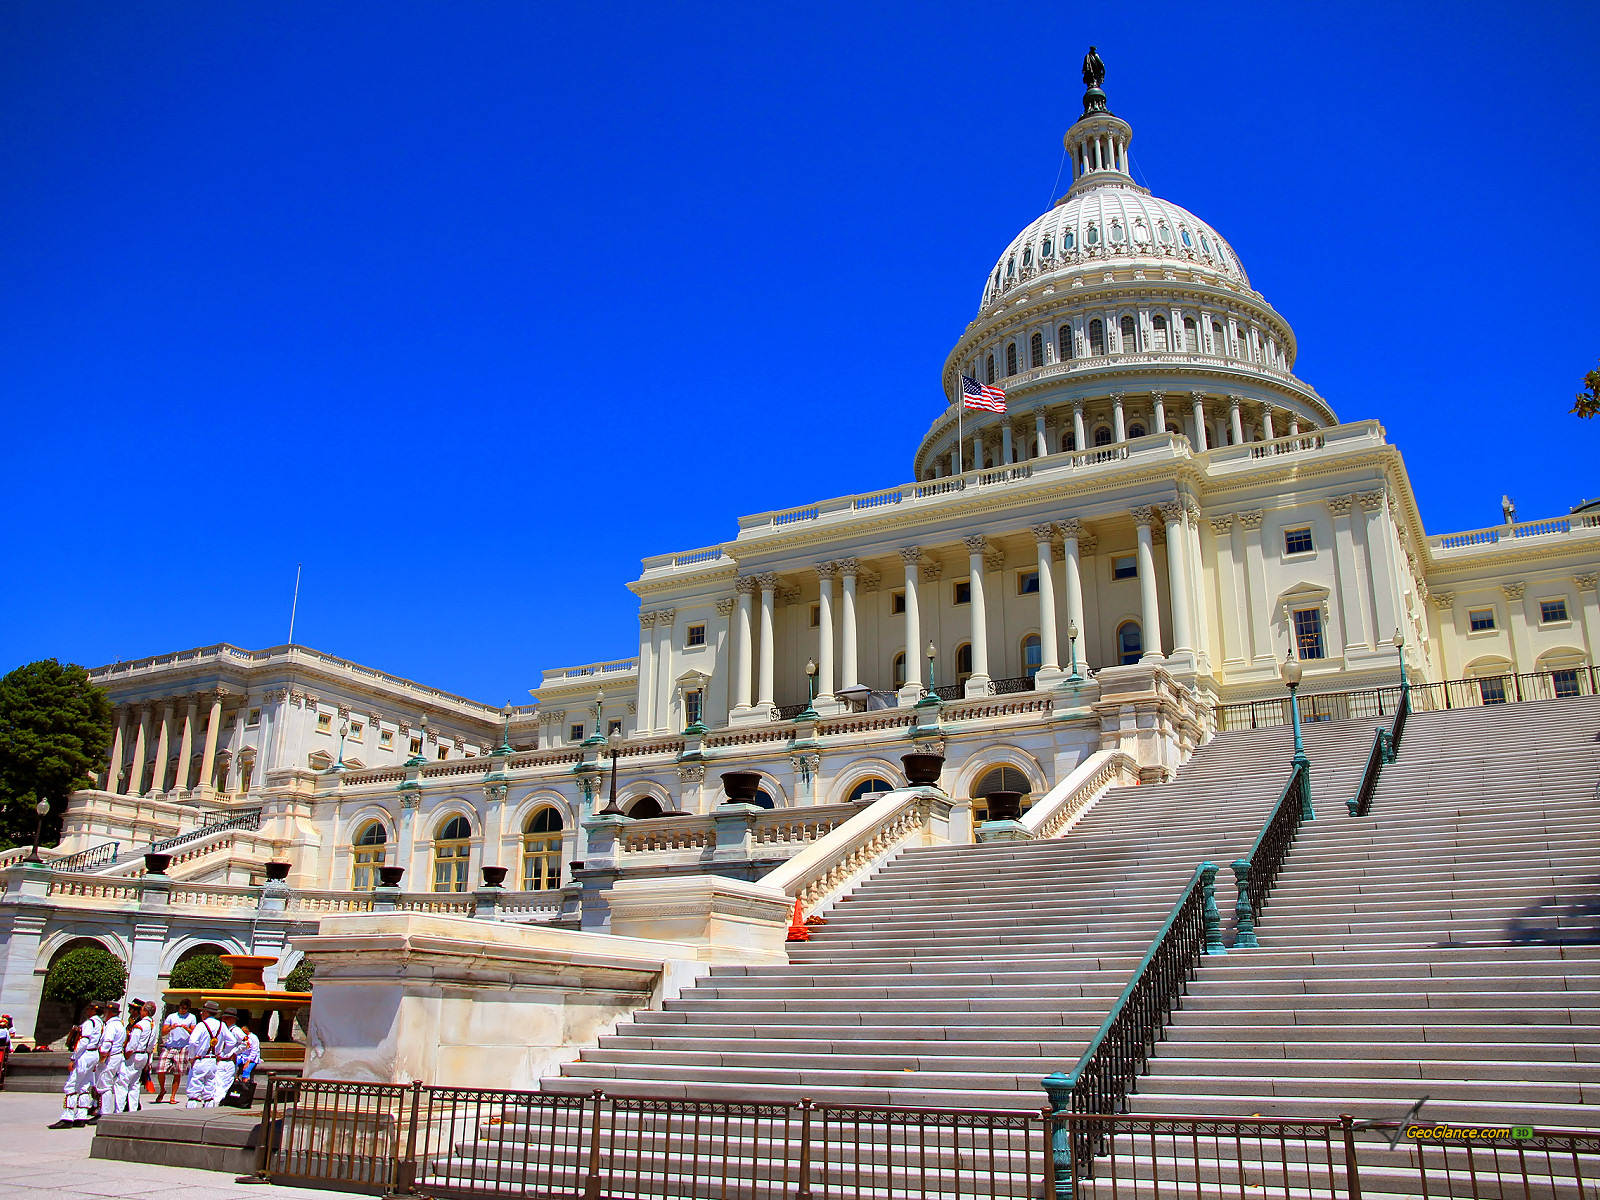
(797, 927)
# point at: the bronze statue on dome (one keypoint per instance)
(1094, 70)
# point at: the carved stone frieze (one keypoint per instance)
(1443, 600)
(1586, 581)
(691, 773)
(1515, 590)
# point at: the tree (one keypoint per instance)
(200, 971)
(55, 730)
(87, 973)
(299, 979)
(1587, 402)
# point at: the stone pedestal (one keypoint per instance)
(729, 920)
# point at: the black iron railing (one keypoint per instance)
(87, 860)
(1258, 871)
(1010, 687)
(1385, 749)
(250, 818)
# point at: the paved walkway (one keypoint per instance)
(44, 1164)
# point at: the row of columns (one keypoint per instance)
(1014, 441)
(143, 717)
(1228, 336)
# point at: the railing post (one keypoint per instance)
(1208, 885)
(1352, 1169)
(803, 1179)
(403, 1177)
(264, 1148)
(1244, 912)
(1060, 1168)
(591, 1186)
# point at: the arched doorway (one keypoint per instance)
(999, 779)
(644, 808)
(57, 1017)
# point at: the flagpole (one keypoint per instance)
(961, 405)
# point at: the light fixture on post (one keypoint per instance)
(932, 697)
(344, 730)
(1291, 673)
(1072, 649)
(43, 809)
(597, 738)
(809, 713)
(614, 744)
(1399, 640)
(420, 758)
(504, 748)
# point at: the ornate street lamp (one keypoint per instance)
(43, 809)
(420, 758)
(1290, 670)
(505, 733)
(597, 738)
(932, 697)
(1072, 647)
(614, 744)
(344, 730)
(1399, 640)
(810, 712)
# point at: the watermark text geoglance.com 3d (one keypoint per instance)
(1445, 1132)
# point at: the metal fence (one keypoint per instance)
(398, 1139)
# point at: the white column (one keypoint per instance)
(1234, 614)
(1234, 421)
(1199, 609)
(158, 779)
(744, 667)
(825, 574)
(1586, 585)
(1201, 444)
(911, 691)
(1038, 433)
(977, 452)
(849, 667)
(1149, 610)
(955, 462)
(662, 672)
(1347, 567)
(1005, 443)
(1382, 577)
(1049, 644)
(1294, 424)
(646, 678)
(1255, 586)
(978, 681)
(208, 757)
(114, 769)
(1077, 424)
(1119, 425)
(1266, 422)
(1178, 580)
(136, 775)
(191, 717)
(764, 675)
(1073, 579)
(1158, 403)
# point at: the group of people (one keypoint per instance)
(111, 1057)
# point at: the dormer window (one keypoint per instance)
(1027, 256)
(1164, 234)
(1205, 243)
(1117, 234)
(1047, 249)
(1141, 233)
(1068, 241)
(1011, 267)
(1187, 240)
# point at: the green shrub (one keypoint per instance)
(299, 979)
(200, 971)
(87, 973)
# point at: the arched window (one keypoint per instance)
(899, 671)
(1046, 250)
(1069, 442)
(1158, 334)
(1068, 240)
(1011, 267)
(1032, 655)
(1036, 350)
(1102, 436)
(644, 808)
(1191, 336)
(1205, 243)
(1027, 256)
(1187, 240)
(869, 787)
(963, 661)
(988, 369)
(1011, 358)
(1130, 642)
(1219, 344)
(1130, 336)
(1136, 429)
(1097, 337)
(366, 856)
(999, 779)
(541, 850)
(452, 850)
(1164, 234)
(1064, 342)
(1093, 236)
(1117, 235)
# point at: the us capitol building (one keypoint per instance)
(1121, 560)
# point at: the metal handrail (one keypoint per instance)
(249, 819)
(1385, 749)
(94, 856)
(1108, 1069)
(1257, 871)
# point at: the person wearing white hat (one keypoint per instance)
(136, 1056)
(226, 1047)
(78, 1093)
(203, 1056)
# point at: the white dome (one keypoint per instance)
(1111, 222)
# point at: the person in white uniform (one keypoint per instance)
(136, 1056)
(228, 1044)
(203, 1055)
(78, 1094)
(113, 1044)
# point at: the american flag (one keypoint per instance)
(982, 395)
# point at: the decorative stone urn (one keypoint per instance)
(742, 787)
(1005, 806)
(922, 769)
(390, 877)
(156, 864)
(277, 871)
(494, 877)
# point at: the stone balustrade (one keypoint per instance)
(1476, 540)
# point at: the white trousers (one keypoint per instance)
(201, 1076)
(222, 1081)
(129, 1083)
(78, 1092)
(106, 1083)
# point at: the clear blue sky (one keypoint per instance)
(468, 306)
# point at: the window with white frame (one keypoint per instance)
(324, 722)
(452, 852)
(1027, 583)
(1565, 682)
(541, 851)
(253, 719)
(695, 635)
(961, 592)
(1553, 612)
(1492, 689)
(1480, 620)
(386, 739)
(366, 856)
(1298, 541)
(575, 733)
(897, 601)
(1308, 639)
(693, 706)
(416, 745)
(357, 731)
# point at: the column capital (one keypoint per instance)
(646, 620)
(1443, 600)
(826, 571)
(1144, 515)
(746, 585)
(975, 543)
(1515, 590)
(1172, 512)
(1159, 395)
(666, 616)
(1077, 405)
(1235, 402)
(1250, 520)
(725, 606)
(1072, 527)
(910, 555)
(849, 566)
(931, 569)
(1586, 581)
(1372, 501)
(1198, 397)
(1340, 505)
(1043, 533)
(1116, 397)
(768, 581)
(1222, 523)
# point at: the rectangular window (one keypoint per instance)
(897, 602)
(1566, 683)
(1480, 620)
(324, 722)
(1125, 566)
(695, 635)
(816, 616)
(613, 727)
(1308, 633)
(1298, 541)
(444, 753)
(357, 729)
(386, 738)
(1493, 691)
(575, 733)
(963, 591)
(1552, 611)
(253, 719)
(692, 707)
(1027, 583)
(416, 745)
